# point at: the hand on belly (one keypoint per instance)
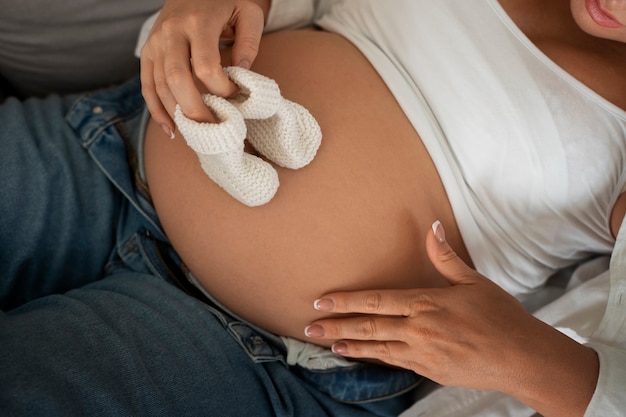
(354, 218)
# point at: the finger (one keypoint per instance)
(393, 353)
(207, 65)
(383, 350)
(248, 32)
(177, 67)
(380, 302)
(152, 99)
(445, 259)
(359, 328)
(162, 88)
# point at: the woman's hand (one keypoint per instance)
(472, 334)
(459, 335)
(181, 56)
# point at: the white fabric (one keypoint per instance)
(284, 14)
(220, 150)
(391, 53)
(609, 340)
(144, 32)
(292, 14)
(310, 356)
(502, 102)
(213, 138)
(290, 138)
(582, 312)
(282, 131)
(258, 96)
(287, 14)
(530, 182)
(531, 159)
(455, 401)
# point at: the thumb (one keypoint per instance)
(445, 259)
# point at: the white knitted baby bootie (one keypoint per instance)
(290, 138)
(259, 96)
(220, 149)
(283, 131)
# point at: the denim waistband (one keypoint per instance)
(111, 125)
(372, 386)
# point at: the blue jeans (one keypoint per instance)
(97, 314)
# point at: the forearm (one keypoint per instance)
(472, 334)
(557, 376)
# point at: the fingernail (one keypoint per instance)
(168, 131)
(439, 232)
(244, 63)
(340, 348)
(324, 304)
(314, 330)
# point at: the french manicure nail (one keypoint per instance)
(439, 232)
(314, 330)
(168, 131)
(340, 348)
(324, 304)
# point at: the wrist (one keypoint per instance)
(557, 376)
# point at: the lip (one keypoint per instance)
(601, 17)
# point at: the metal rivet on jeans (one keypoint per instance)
(257, 341)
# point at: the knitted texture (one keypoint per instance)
(220, 149)
(290, 138)
(259, 96)
(212, 138)
(282, 131)
(245, 177)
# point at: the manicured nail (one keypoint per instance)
(314, 330)
(324, 304)
(244, 63)
(340, 348)
(168, 131)
(440, 234)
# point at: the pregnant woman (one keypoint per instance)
(503, 120)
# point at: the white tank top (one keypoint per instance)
(531, 159)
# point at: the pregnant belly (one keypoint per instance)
(355, 218)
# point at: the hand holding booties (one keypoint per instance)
(282, 131)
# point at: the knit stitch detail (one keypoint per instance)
(220, 149)
(281, 130)
(259, 96)
(212, 138)
(290, 138)
(247, 178)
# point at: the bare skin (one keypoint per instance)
(472, 334)
(457, 336)
(182, 53)
(317, 234)
(321, 223)
(346, 223)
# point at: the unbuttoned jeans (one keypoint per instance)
(92, 322)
